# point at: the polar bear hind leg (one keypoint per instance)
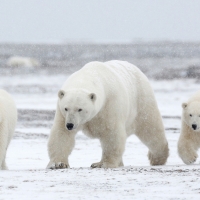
(158, 153)
(2, 152)
(150, 131)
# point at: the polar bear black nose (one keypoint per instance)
(194, 126)
(70, 126)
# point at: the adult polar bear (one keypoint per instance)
(8, 120)
(109, 101)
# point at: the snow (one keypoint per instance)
(27, 154)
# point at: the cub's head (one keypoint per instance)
(77, 107)
(191, 115)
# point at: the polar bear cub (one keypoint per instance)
(189, 140)
(109, 101)
(8, 120)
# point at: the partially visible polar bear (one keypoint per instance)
(189, 141)
(19, 61)
(8, 120)
(109, 101)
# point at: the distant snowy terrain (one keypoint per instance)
(35, 93)
(160, 60)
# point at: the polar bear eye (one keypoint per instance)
(66, 109)
(190, 115)
(79, 110)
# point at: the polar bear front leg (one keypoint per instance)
(113, 145)
(60, 145)
(187, 148)
(187, 152)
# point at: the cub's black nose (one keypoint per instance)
(70, 126)
(194, 126)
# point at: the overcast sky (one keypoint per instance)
(57, 21)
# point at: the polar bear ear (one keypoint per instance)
(92, 97)
(184, 105)
(61, 94)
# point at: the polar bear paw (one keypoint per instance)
(97, 165)
(157, 159)
(106, 165)
(190, 158)
(59, 165)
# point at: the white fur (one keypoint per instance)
(116, 100)
(189, 141)
(19, 61)
(8, 120)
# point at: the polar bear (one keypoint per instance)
(8, 120)
(109, 101)
(19, 61)
(189, 140)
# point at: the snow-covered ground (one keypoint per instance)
(27, 157)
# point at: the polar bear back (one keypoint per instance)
(130, 77)
(109, 76)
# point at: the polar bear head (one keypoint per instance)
(77, 107)
(191, 115)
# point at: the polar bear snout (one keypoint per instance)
(194, 126)
(70, 126)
